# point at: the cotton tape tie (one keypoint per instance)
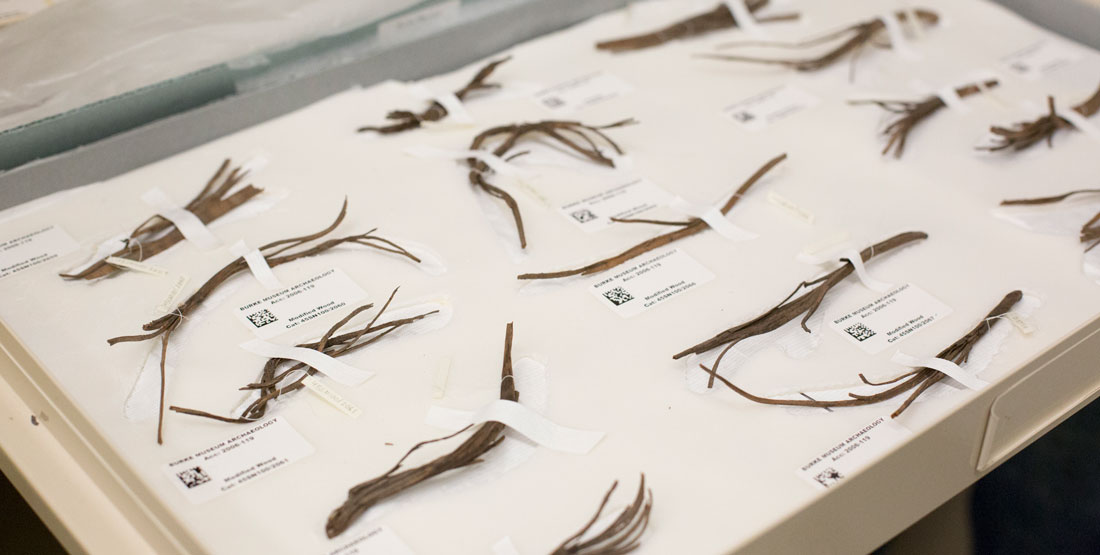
(339, 372)
(496, 163)
(949, 368)
(1081, 123)
(456, 111)
(257, 264)
(897, 36)
(189, 225)
(713, 217)
(522, 419)
(952, 100)
(853, 256)
(744, 18)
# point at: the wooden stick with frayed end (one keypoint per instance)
(859, 36)
(578, 137)
(1090, 232)
(911, 113)
(718, 18)
(157, 234)
(487, 436)
(788, 309)
(686, 229)
(270, 383)
(622, 536)
(918, 380)
(406, 120)
(1022, 135)
(274, 254)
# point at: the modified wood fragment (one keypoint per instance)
(911, 113)
(623, 535)
(686, 229)
(157, 234)
(1022, 135)
(405, 120)
(717, 19)
(1090, 232)
(485, 437)
(274, 254)
(790, 308)
(918, 380)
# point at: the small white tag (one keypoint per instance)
(179, 281)
(582, 92)
(1020, 322)
(237, 460)
(791, 208)
(594, 213)
(760, 111)
(286, 309)
(1040, 58)
(890, 318)
(855, 452)
(136, 266)
(34, 248)
(380, 540)
(648, 281)
(419, 21)
(333, 398)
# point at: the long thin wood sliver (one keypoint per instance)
(792, 307)
(406, 120)
(1090, 231)
(687, 229)
(564, 133)
(917, 381)
(157, 234)
(274, 255)
(485, 437)
(620, 536)
(862, 34)
(716, 19)
(1022, 135)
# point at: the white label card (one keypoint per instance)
(854, 453)
(594, 213)
(380, 540)
(759, 111)
(289, 308)
(34, 248)
(649, 280)
(1040, 58)
(885, 321)
(582, 91)
(419, 21)
(237, 460)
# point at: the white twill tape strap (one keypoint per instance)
(190, 226)
(952, 370)
(456, 111)
(913, 21)
(1081, 123)
(522, 419)
(713, 217)
(257, 264)
(869, 282)
(897, 36)
(338, 371)
(494, 162)
(745, 19)
(951, 98)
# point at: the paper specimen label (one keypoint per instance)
(239, 459)
(582, 91)
(649, 280)
(594, 213)
(286, 309)
(761, 110)
(853, 453)
(377, 540)
(419, 21)
(887, 320)
(1040, 58)
(31, 249)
